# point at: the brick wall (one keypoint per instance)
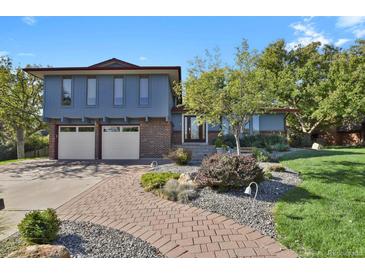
(176, 138)
(155, 138)
(212, 135)
(53, 141)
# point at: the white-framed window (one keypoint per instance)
(91, 92)
(66, 91)
(256, 123)
(118, 91)
(143, 91)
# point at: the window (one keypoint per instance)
(66, 91)
(143, 91)
(111, 129)
(130, 129)
(68, 129)
(91, 92)
(86, 129)
(118, 91)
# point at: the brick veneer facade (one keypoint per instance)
(155, 138)
(53, 140)
(212, 135)
(176, 138)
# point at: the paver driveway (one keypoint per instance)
(177, 230)
(38, 184)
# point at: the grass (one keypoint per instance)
(155, 180)
(325, 215)
(5, 162)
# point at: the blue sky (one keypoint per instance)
(82, 41)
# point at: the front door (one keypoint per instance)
(193, 132)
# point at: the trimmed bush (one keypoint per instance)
(39, 227)
(261, 155)
(223, 170)
(155, 180)
(180, 156)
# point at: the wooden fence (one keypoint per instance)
(37, 153)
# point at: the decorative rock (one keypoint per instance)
(41, 251)
(316, 146)
(185, 179)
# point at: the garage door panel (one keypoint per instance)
(120, 142)
(77, 144)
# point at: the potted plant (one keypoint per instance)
(219, 145)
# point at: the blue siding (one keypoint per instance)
(159, 105)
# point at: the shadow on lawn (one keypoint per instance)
(303, 154)
(299, 195)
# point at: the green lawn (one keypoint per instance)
(325, 215)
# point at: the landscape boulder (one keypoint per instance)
(316, 146)
(186, 179)
(41, 251)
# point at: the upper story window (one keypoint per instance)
(91, 92)
(118, 91)
(66, 91)
(143, 91)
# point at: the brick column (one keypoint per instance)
(155, 138)
(53, 141)
(97, 140)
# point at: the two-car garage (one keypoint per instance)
(117, 142)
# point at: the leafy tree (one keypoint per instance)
(212, 92)
(325, 84)
(20, 104)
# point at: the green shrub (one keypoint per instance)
(155, 180)
(219, 142)
(268, 175)
(223, 170)
(174, 191)
(300, 140)
(261, 155)
(187, 195)
(39, 227)
(261, 141)
(36, 142)
(276, 168)
(180, 156)
(279, 147)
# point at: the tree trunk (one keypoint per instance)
(20, 143)
(237, 137)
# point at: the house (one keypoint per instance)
(118, 110)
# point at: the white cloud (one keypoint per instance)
(359, 33)
(306, 34)
(26, 54)
(341, 42)
(350, 21)
(142, 58)
(3, 53)
(29, 20)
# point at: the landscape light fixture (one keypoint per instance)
(248, 189)
(154, 164)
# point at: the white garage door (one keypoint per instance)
(76, 142)
(120, 142)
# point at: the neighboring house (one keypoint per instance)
(350, 134)
(118, 110)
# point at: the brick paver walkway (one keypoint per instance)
(177, 230)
